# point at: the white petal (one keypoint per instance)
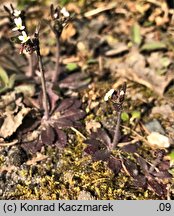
(15, 29)
(18, 21)
(109, 94)
(64, 12)
(24, 34)
(21, 37)
(22, 27)
(16, 13)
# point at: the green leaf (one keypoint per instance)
(27, 89)
(152, 46)
(124, 116)
(136, 34)
(171, 155)
(3, 76)
(135, 115)
(72, 67)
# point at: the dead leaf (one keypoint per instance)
(134, 68)
(68, 32)
(92, 125)
(12, 122)
(120, 48)
(164, 110)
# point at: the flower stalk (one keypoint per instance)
(57, 69)
(30, 45)
(60, 18)
(117, 98)
(43, 81)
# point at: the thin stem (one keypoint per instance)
(43, 82)
(30, 66)
(116, 131)
(57, 70)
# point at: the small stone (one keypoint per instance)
(158, 140)
(154, 126)
(84, 195)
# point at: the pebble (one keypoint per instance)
(158, 140)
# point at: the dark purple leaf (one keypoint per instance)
(32, 147)
(104, 137)
(143, 164)
(115, 165)
(164, 165)
(131, 168)
(61, 138)
(77, 104)
(63, 123)
(158, 188)
(162, 174)
(73, 114)
(93, 142)
(102, 155)
(48, 135)
(53, 97)
(65, 104)
(140, 181)
(74, 81)
(91, 150)
(130, 148)
(77, 124)
(73, 77)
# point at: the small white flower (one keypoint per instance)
(109, 94)
(19, 26)
(55, 15)
(64, 12)
(24, 37)
(16, 13)
(122, 92)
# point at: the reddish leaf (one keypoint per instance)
(32, 147)
(63, 123)
(91, 149)
(140, 181)
(164, 165)
(101, 155)
(104, 137)
(53, 98)
(130, 148)
(62, 138)
(93, 142)
(163, 174)
(159, 189)
(74, 81)
(131, 168)
(77, 104)
(65, 104)
(48, 136)
(73, 114)
(115, 165)
(143, 164)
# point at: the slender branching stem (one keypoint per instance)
(57, 70)
(43, 82)
(116, 131)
